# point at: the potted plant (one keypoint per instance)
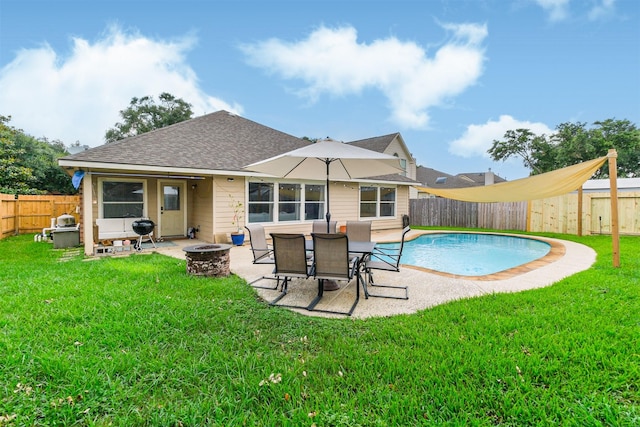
(237, 237)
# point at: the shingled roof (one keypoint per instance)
(377, 143)
(437, 179)
(218, 141)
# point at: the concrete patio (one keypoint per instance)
(426, 288)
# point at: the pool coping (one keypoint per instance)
(557, 251)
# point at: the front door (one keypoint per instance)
(172, 209)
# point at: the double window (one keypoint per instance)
(122, 199)
(377, 202)
(284, 202)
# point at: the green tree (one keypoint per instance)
(14, 178)
(29, 165)
(536, 151)
(144, 115)
(573, 143)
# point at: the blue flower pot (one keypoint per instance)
(237, 239)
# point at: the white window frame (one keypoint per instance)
(115, 179)
(302, 203)
(378, 202)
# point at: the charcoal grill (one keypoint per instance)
(143, 227)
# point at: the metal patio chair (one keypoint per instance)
(386, 259)
(331, 262)
(359, 231)
(320, 226)
(290, 261)
(262, 253)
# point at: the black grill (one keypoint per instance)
(143, 226)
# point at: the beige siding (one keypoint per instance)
(200, 208)
(224, 192)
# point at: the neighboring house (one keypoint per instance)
(188, 175)
(433, 178)
(394, 145)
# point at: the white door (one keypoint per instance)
(172, 209)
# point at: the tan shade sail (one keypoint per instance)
(535, 187)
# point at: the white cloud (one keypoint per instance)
(557, 9)
(78, 97)
(602, 10)
(332, 61)
(477, 139)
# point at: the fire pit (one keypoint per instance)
(209, 259)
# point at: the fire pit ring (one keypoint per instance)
(209, 259)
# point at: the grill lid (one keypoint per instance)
(66, 220)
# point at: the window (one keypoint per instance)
(122, 199)
(291, 201)
(403, 164)
(377, 202)
(314, 202)
(261, 199)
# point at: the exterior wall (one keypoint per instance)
(344, 206)
(398, 147)
(200, 208)
(225, 192)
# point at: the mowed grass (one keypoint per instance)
(135, 341)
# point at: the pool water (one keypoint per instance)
(469, 254)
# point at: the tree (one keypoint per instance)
(29, 165)
(144, 115)
(14, 178)
(573, 143)
(535, 150)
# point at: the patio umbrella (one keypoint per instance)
(330, 160)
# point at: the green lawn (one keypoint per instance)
(135, 341)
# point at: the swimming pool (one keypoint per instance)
(470, 254)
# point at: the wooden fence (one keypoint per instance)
(554, 215)
(30, 214)
(439, 212)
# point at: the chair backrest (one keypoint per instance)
(390, 257)
(359, 231)
(320, 226)
(290, 255)
(258, 240)
(331, 256)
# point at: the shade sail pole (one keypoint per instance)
(328, 216)
(613, 184)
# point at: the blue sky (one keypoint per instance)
(451, 76)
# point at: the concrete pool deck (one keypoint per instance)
(426, 288)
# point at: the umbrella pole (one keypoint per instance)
(327, 161)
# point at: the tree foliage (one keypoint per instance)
(29, 165)
(573, 143)
(144, 115)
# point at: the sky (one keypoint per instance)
(451, 76)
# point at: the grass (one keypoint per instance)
(135, 341)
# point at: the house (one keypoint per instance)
(190, 175)
(394, 145)
(433, 178)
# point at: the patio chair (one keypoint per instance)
(359, 231)
(290, 260)
(262, 253)
(386, 259)
(331, 262)
(320, 226)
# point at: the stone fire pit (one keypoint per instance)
(211, 260)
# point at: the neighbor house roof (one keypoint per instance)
(437, 179)
(217, 141)
(478, 178)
